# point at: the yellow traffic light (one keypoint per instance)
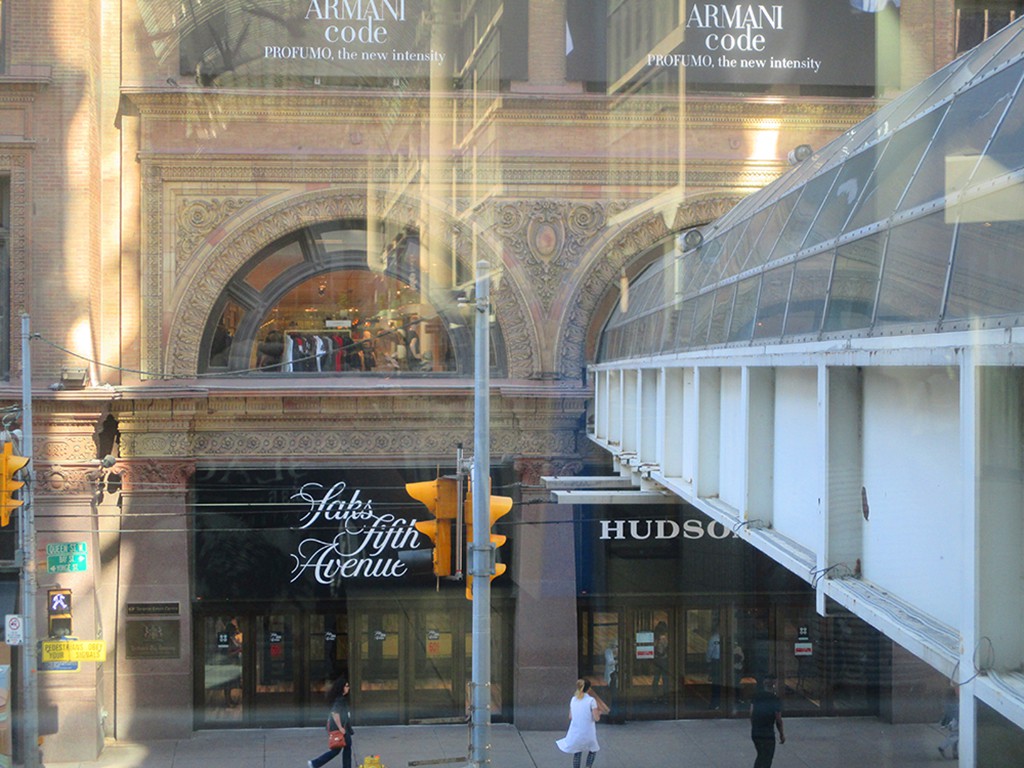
(441, 497)
(498, 507)
(8, 485)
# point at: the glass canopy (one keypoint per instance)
(910, 222)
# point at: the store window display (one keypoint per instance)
(319, 302)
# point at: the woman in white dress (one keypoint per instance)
(585, 709)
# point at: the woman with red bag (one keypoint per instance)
(339, 722)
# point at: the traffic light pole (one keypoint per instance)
(481, 557)
(27, 538)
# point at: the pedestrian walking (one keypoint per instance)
(339, 720)
(585, 709)
(765, 718)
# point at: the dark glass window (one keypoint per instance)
(977, 20)
(685, 330)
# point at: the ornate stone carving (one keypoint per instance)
(212, 267)
(603, 274)
(548, 237)
(156, 476)
(198, 217)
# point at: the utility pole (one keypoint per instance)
(481, 561)
(27, 555)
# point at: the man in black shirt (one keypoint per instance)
(765, 717)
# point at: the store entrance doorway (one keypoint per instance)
(657, 661)
(407, 661)
(266, 669)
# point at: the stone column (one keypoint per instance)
(546, 653)
(150, 556)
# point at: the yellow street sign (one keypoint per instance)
(73, 650)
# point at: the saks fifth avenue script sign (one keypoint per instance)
(366, 544)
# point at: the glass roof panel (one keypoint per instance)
(914, 271)
(993, 51)
(697, 263)
(777, 217)
(1006, 152)
(730, 240)
(735, 251)
(988, 262)
(771, 304)
(654, 324)
(720, 315)
(741, 327)
(886, 185)
(702, 319)
(851, 300)
(668, 336)
(813, 195)
(752, 237)
(895, 113)
(685, 326)
(853, 177)
(964, 133)
(807, 297)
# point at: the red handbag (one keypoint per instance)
(336, 740)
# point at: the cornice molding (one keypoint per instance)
(364, 108)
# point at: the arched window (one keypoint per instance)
(317, 302)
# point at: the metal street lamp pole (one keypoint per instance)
(481, 561)
(29, 680)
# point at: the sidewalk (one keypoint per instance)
(811, 743)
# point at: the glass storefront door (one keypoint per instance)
(436, 678)
(263, 669)
(664, 662)
(275, 700)
(407, 662)
(222, 701)
(376, 665)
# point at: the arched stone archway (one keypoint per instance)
(587, 311)
(254, 227)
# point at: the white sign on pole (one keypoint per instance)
(14, 629)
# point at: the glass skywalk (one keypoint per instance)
(911, 222)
